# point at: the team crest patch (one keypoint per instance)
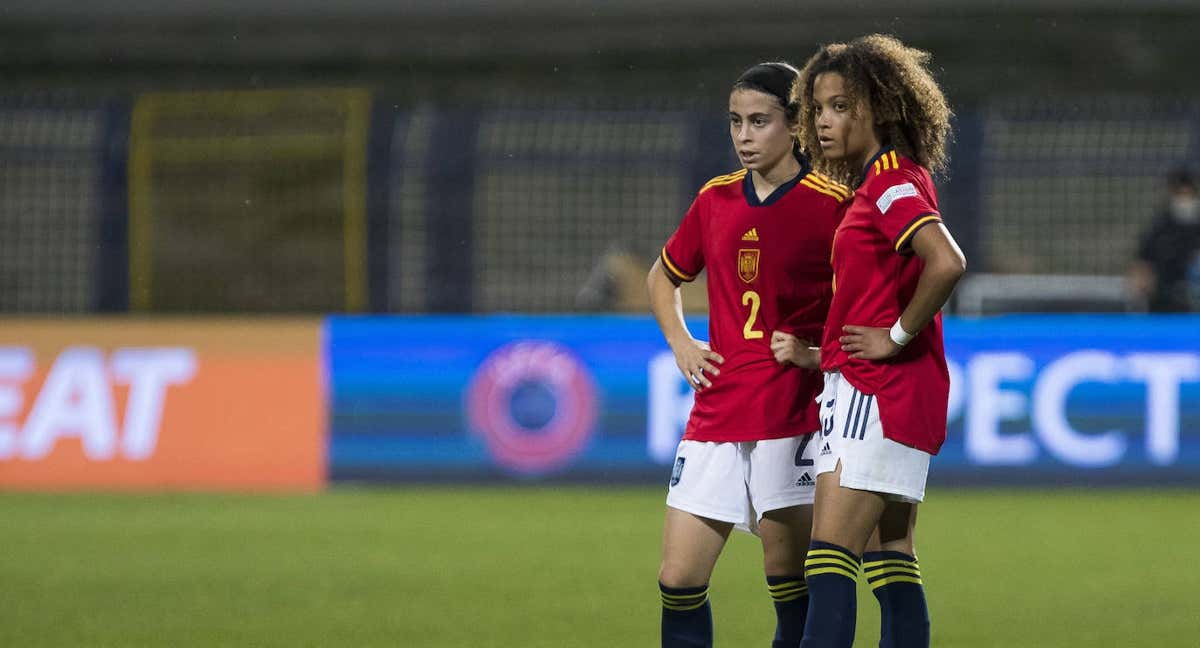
(677, 472)
(748, 265)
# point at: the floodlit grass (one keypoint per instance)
(561, 567)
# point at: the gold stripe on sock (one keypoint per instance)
(899, 578)
(831, 554)
(876, 564)
(683, 598)
(832, 570)
(684, 608)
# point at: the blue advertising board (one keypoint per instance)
(1035, 399)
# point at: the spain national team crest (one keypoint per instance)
(748, 265)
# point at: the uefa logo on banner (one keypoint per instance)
(534, 403)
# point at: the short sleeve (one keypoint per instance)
(683, 255)
(904, 205)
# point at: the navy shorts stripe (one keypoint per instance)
(862, 431)
(862, 399)
(846, 428)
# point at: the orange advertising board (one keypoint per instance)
(162, 404)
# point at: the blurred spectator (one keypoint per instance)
(1168, 258)
(617, 283)
(607, 287)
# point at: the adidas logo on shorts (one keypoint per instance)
(804, 480)
(826, 450)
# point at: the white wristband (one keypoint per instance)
(899, 335)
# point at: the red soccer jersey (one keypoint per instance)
(768, 270)
(875, 275)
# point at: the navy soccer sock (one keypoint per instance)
(686, 617)
(832, 576)
(895, 578)
(790, 594)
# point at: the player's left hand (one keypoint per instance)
(868, 343)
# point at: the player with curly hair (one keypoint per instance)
(874, 117)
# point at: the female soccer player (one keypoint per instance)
(875, 118)
(764, 235)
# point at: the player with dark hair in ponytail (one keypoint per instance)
(763, 233)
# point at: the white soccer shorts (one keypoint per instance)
(739, 481)
(851, 433)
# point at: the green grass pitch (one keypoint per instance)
(556, 567)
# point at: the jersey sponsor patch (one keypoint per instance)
(906, 190)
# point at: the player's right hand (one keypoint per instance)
(788, 348)
(697, 362)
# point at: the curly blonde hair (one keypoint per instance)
(895, 79)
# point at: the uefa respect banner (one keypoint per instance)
(1052, 399)
(169, 403)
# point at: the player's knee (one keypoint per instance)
(784, 560)
(676, 575)
(785, 535)
(903, 545)
(853, 542)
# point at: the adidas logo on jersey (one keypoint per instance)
(751, 234)
(826, 450)
(804, 480)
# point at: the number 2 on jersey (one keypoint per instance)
(751, 299)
